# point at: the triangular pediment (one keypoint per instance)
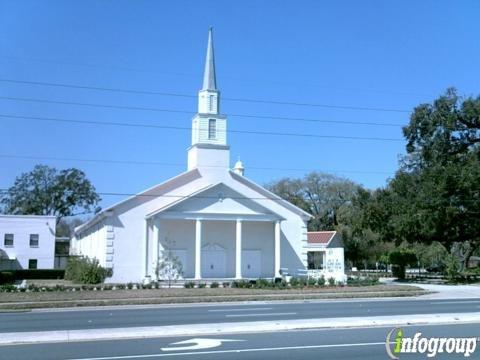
(218, 199)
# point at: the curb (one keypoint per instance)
(231, 328)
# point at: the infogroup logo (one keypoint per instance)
(396, 344)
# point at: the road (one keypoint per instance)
(339, 344)
(215, 313)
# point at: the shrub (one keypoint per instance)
(214, 285)
(294, 282)
(331, 281)
(189, 285)
(399, 259)
(321, 281)
(33, 274)
(282, 284)
(311, 282)
(262, 284)
(241, 284)
(6, 277)
(201, 285)
(226, 284)
(85, 271)
(7, 288)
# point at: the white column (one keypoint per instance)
(198, 249)
(238, 250)
(145, 250)
(277, 248)
(154, 250)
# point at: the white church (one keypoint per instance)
(217, 222)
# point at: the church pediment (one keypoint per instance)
(217, 200)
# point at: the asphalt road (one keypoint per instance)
(338, 344)
(215, 313)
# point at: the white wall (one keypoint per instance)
(92, 243)
(21, 226)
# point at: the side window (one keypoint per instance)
(8, 240)
(34, 240)
(212, 129)
(32, 264)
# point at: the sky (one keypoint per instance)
(341, 64)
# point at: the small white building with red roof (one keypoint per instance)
(325, 255)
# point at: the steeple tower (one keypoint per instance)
(209, 128)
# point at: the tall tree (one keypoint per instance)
(48, 191)
(435, 196)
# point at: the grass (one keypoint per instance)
(30, 300)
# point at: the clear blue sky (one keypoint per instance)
(382, 54)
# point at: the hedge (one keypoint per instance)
(12, 275)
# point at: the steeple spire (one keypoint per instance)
(209, 80)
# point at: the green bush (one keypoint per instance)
(321, 281)
(294, 282)
(7, 288)
(214, 285)
(226, 284)
(34, 274)
(399, 259)
(362, 281)
(201, 285)
(331, 281)
(85, 271)
(263, 284)
(6, 277)
(189, 285)
(311, 282)
(241, 284)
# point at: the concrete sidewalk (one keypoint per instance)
(442, 291)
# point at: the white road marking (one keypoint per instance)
(197, 344)
(245, 309)
(456, 302)
(196, 353)
(260, 314)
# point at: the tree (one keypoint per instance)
(169, 268)
(336, 204)
(435, 196)
(320, 194)
(47, 191)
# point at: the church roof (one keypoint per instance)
(209, 79)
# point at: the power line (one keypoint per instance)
(147, 92)
(250, 116)
(156, 163)
(249, 132)
(261, 101)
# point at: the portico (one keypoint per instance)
(216, 247)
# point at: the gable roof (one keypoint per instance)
(320, 237)
(159, 189)
(268, 194)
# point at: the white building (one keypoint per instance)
(27, 242)
(325, 256)
(216, 221)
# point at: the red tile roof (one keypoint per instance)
(320, 237)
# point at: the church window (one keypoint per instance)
(212, 129)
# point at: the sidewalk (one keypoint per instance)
(442, 291)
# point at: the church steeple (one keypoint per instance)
(209, 128)
(209, 96)
(209, 79)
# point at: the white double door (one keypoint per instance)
(214, 263)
